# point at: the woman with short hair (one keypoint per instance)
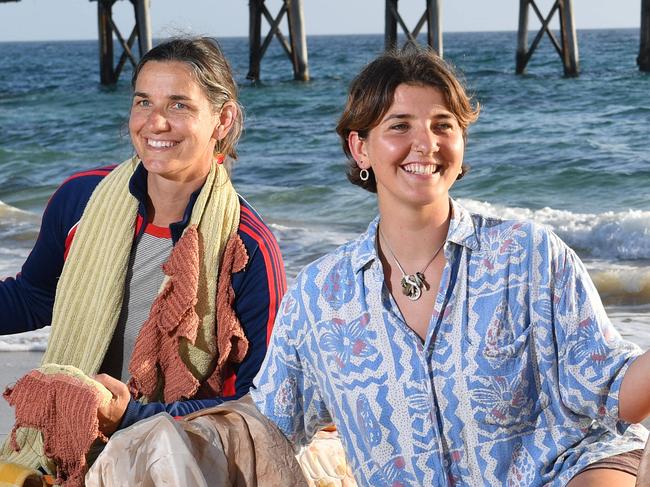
(449, 347)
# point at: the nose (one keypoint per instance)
(425, 141)
(157, 121)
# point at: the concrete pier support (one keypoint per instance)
(522, 38)
(298, 39)
(431, 16)
(296, 48)
(644, 50)
(143, 23)
(567, 47)
(569, 39)
(434, 31)
(109, 73)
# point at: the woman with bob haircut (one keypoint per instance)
(157, 278)
(448, 348)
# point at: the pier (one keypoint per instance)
(296, 49)
(109, 73)
(644, 50)
(567, 47)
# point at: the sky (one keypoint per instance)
(41, 20)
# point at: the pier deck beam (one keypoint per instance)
(644, 50)
(109, 73)
(431, 17)
(567, 47)
(296, 48)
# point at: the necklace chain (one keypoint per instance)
(412, 284)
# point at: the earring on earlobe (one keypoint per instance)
(219, 158)
(364, 175)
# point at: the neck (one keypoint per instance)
(413, 236)
(168, 199)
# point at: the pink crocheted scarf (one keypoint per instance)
(64, 409)
(156, 359)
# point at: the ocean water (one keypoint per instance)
(569, 153)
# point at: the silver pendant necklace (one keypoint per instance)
(412, 284)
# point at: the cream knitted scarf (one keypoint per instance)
(91, 287)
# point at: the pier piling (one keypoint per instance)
(569, 38)
(143, 21)
(296, 48)
(567, 47)
(109, 74)
(643, 60)
(431, 17)
(298, 39)
(522, 37)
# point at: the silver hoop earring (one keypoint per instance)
(364, 175)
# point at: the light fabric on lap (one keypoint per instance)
(158, 451)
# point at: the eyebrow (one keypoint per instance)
(406, 116)
(142, 94)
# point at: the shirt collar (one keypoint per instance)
(365, 250)
(461, 231)
(461, 227)
(138, 188)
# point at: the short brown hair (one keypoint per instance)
(373, 90)
(211, 71)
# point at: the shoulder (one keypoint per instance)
(261, 245)
(252, 228)
(87, 179)
(71, 197)
(334, 270)
(520, 242)
(79, 186)
(491, 231)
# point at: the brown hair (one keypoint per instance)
(211, 71)
(373, 90)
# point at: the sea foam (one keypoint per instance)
(610, 235)
(33, 341)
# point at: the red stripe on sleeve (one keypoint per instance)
(254, 221)
(103, 171)
(274, 273)
(279, 282)
(68, 240)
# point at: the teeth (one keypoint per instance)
(421, 168)
(159, 144)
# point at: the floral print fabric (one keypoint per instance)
(516, 383)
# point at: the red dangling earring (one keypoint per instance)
(219, 158)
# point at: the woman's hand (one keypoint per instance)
(111, 414)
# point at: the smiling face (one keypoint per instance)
(172, 124)
(415, 151)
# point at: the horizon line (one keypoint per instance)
(320, 35)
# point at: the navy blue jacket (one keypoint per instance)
(26, 301)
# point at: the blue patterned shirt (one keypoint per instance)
(516, 383)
